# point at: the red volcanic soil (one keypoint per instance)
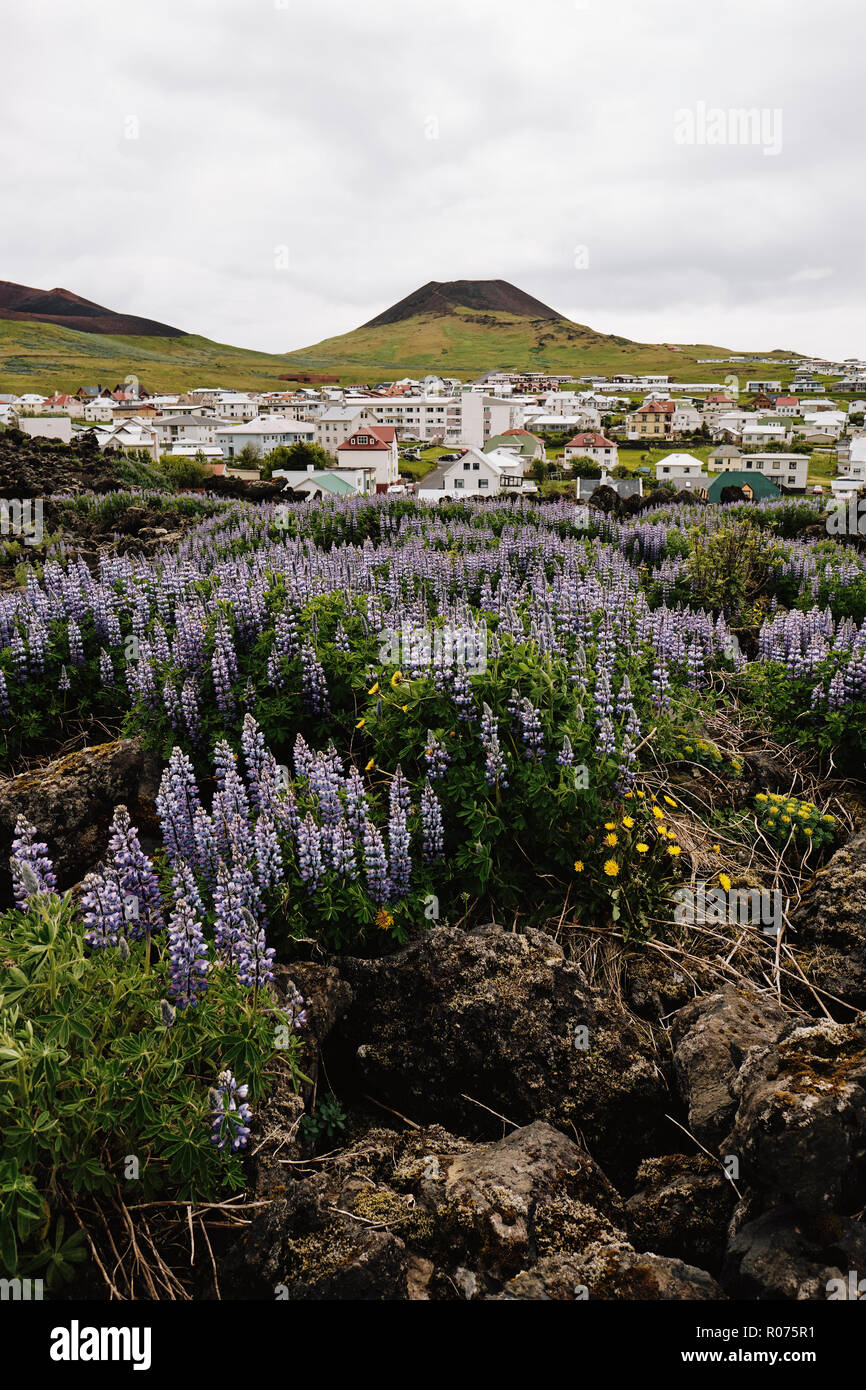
(71, 311)
(444, 297)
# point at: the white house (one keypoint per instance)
(185, 429)
(483, 416)
(374, 446)
(475, 474)
(264, 433)
(676, 466)
(685, 419)
(762, 433)
(854, 467)
(46, 427)
(787, 470)
(592, 445)
(236, 405)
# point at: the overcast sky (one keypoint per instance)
(270, 172)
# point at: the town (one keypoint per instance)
(507, 432)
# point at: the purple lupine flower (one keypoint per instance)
(565, 756)
(432, 835)
(461, 693)
(342, 851)
(18, 651)
(436, 757)
(135, 874)
(39, 871)
(495, 768)
(229, 922)
(183, 885)
(64, 683)
(531, 732)
(229, 1120)
(5, 707)
(187, 954)
(191, 711)
(310, 863)
(106, 668)
(76, 645)
(379, 884)
(314, 682)
(398, 849)
(269, 859)
(176, 804)
(255, 957)
(357, 806)
(103, 909)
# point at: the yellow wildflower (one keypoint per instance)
(360, 724)
(611, 868)
(611, 839)
(670, 801)
(673, 850)
(384, 919)
(725, 882)
(659, 815)
(641, 847)
(761, 796)
(374, 689)
(627, 822)
(578, 866)
(396, 679)
(609, 825)
(370, 764)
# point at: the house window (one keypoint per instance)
(475, 466)
(466, 465)
(483, 482)
(458, 482)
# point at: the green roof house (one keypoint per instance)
(754, 485)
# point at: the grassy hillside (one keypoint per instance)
(45, 357)
(467, 342)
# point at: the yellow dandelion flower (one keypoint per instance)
(641, 847)
(787, 819)
(670, 801)
(725, 882)
(370, 764)
(774, 796)
(659, 815)
(628, 795)
(642, 796)
(611, 839)
(627, 822)
(611, 868)
(673, 850)
(609, 825)
(761, 796)
(717, 849)
(771, 825)
(374, 689)
(689, 748)
(807, 830)
(404, 708)
(360, 724)
(578, 866)
(828, 818)
(384, 919)
(396, 679)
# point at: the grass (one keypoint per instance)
(46, 357)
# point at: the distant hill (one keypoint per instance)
(68, 310)
(464, 327)
(53, 339)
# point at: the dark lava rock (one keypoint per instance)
(831, 917)
(711, 1038)
(71, 802)
(422, 1215)
(682, 1208)
(458, 1021)
(801, 1120)
(784, 1255)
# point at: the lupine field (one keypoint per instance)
(374, 719)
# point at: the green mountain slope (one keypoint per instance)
(456, 328)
